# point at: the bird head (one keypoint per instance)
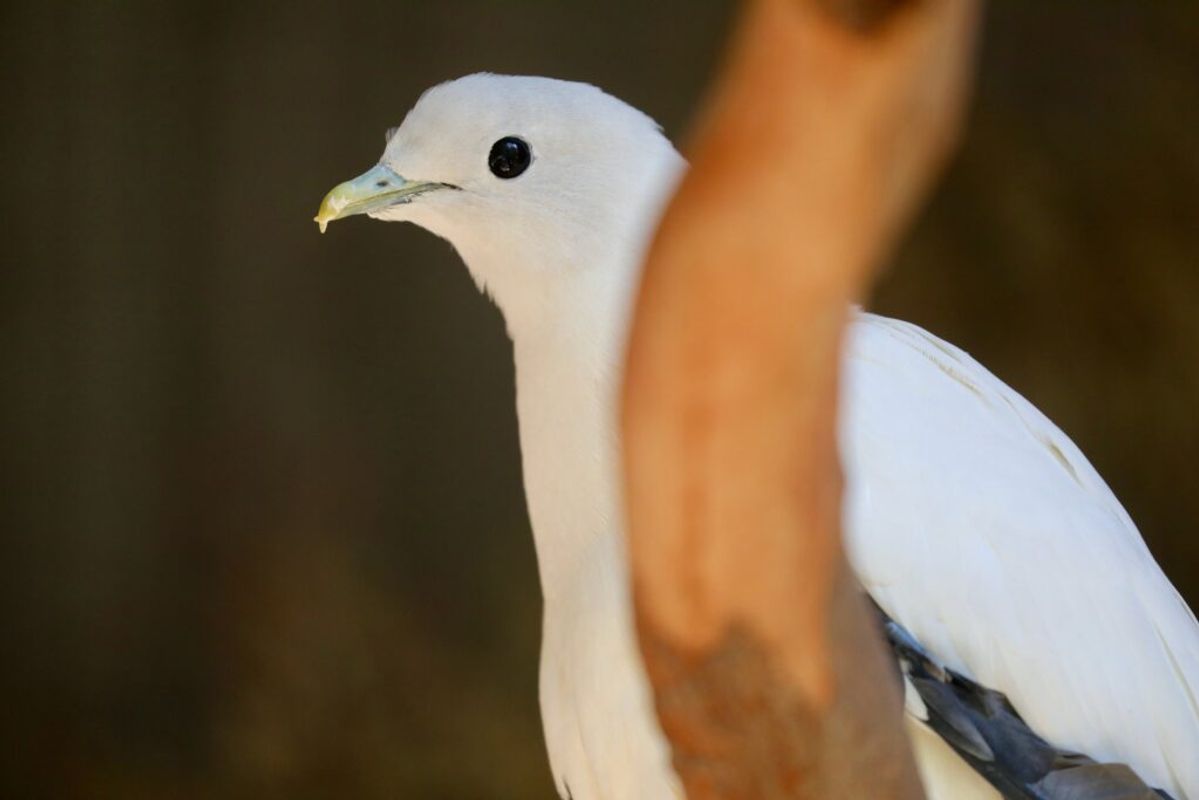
(543, 186)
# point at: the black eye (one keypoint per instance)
(509, 157)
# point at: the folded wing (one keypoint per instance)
(978, 525)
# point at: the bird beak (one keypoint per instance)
(373, 190)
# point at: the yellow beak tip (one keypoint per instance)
(331, 207)
(329, 211)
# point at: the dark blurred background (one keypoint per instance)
(263, 529)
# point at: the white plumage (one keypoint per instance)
(979, 525)
(970, 518)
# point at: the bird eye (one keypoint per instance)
(509, 157)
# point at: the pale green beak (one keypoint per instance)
(373, 190)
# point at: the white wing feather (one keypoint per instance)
(979, 526)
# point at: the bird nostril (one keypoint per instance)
(381, 184)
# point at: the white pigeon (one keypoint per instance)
(970, 518)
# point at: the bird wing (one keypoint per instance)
(979, 526)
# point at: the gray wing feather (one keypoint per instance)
(987, 732)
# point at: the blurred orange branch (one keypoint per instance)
(819, 142)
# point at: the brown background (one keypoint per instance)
(262, 518)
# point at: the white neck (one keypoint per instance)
(567, 376)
